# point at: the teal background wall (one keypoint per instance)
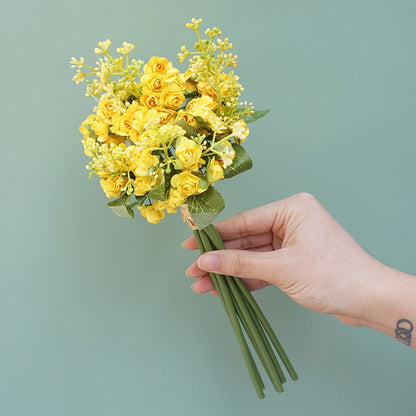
(96, 315)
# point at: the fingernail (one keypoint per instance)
(208, 262)
(193, 287)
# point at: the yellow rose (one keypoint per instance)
(141, 161)
(175, 199)
(206, 90)
(88, 121)
(143, 184)
(173, 77)
(123, 124)
(187, 183)
(172, 97)
(170, 209)
(113, 139)
(112, 186)
(188, 154)
(168, 133)
(153, 82)
(135, 106)
(189, 86)
(202, 112)
(145, 116)
(183, 115)
(134, 135)
(149, 99)
(140, 118)
(204, 102)
(165, 115)
(157, 64)
(189, 82)
(153, 213)
(215, 122)
(187, 75)
(214, 171)
(149, 138)
(100, 128)
(107, 108)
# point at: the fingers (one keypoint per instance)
(263, 249)
(242, 263)
(250, 241)
(205, 285)
(190, 243)
(195, 271)
(255, 221)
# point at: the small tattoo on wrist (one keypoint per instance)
(403, 331)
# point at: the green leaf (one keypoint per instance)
(203, 183)
(205, 207)
(91, 132)
(242, 162)
(202, 123)
(130, 211)
(250, 118)
(189, 130)
(122, 200)
(123, 211)
(160, 192)
(120, 206)
(190, 94)
(139, 201)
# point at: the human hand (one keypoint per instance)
(294, 244)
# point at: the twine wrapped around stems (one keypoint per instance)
(186, 217)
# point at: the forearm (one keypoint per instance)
(391, 306)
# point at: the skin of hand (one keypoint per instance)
(296, 245)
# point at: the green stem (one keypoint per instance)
(211, 148)
(214, 279)
(268, 329)
(260, 329)
(219, 284)
(259, 352)
(252, 331)
(219, 244)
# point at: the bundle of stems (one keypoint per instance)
(244, 313)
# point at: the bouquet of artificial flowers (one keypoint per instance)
(159, 139)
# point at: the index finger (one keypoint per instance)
(254, 221)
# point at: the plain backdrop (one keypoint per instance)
(96, 314)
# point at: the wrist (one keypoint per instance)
(388, 303)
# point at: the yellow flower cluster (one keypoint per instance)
(159, 134)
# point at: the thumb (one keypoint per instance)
(241, 263)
